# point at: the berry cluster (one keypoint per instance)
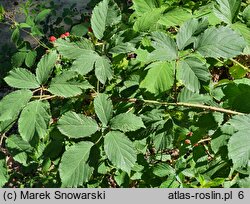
(53, 38)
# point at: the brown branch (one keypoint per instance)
(190, 105)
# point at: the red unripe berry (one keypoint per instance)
(52, 38)
(66, 34)
(187, 141)
(190, 134)
(63, 36)
(196, 145)
(90, 30)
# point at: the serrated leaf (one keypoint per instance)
(185, 36)
(103, 108)
(42, 15)
(65, 85)
(220, 42)
(18, 58)
(246, 14)
(72, 50)
(106, 13)
(240, 122)
(174, 17)
(15, 35)
(85, 63)
(103, 69)
(188, 96)
(4, 177)
(239, 149)
(227, 10)
(13, 103)
(163, 170)
(192, 71)
(243, 30)
(30, 58)
(35, 116)
(120, 150)
(76, 125)
(126, 122)
(21, 78)
(160, 77)
(148, 20)
(143, 6)
(18, 149)
(17, 144)
(74, 168)
(165, 47)
(45, 66)
(80, 29)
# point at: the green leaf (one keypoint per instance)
(220, 42)
(188, 96)
(120, 150)
(160, 77)
(18, 58)
(74, 168)
(227, 10)
(174, 17)
(21, 78)
(72, 50)
(165, 47)
(239, 149)
(42, 15)
(65, 85)
(126, 122)
(30, 58)
(103, 108)
(18, 148)
(163, 170)
(185, 36)
(36, 116)
(240, 122)
(45, 66)
(143, 6)
(163, 139)
(148, 20)
(192, 71)
(17, 145)
(243, 30)
(76, 125)
(85, 63)
(4, 177)
(6, 125)
(80, 29)
(103, 69)
(106, 13)
(246, 14)
(15, 35)
(13, 103)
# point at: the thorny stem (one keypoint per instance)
(191, 105)
(241, 65)
(49, 97)
(37, 40)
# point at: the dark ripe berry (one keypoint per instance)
(52, 38)
(15, 3)
(86, 19)
(132, 56)
(90, 30)
(187, 141)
